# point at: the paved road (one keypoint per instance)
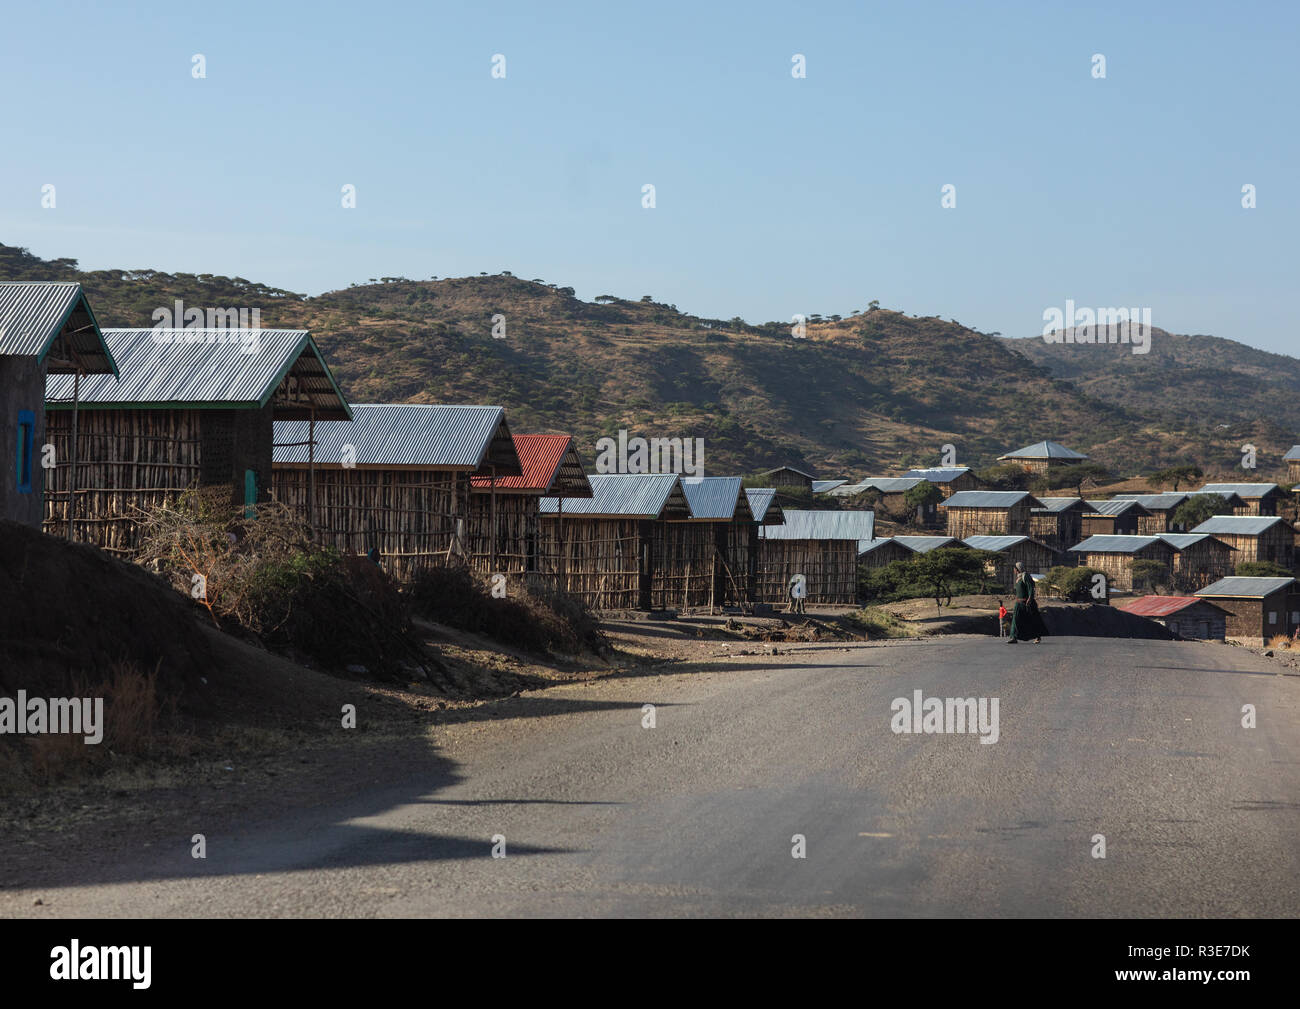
(1141, 742)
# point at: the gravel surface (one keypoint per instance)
(1139, 741)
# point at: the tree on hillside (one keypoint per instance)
(1005, 476)
(1177, 474)
(1076, 476)
(1199, 507)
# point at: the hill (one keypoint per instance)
(860, 395)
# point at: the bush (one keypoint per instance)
(1005, 476)
(1072, 584)
(1262, 569)
(1199, 507)
(939, 575)
(265, 576)
(533, 615)
(1149, 576)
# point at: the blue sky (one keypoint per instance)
(774, 195)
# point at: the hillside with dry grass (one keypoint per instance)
(865, 394)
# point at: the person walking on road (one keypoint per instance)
(1026, 623)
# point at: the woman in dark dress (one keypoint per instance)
(1026, 624)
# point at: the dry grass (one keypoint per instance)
(137, 725)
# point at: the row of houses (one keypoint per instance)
(111, 423)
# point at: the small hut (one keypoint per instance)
(715, 550)
(989, 513)
(1256, 498)
(1160, 512)
(396, 479)
(1258, 608)
(1043, 456)
(879, 552)
(1199, 560)
(1118, 517)
(605, 549)
(1058, 521)
(788, 476)
(1187, 616)
(820, 545)
(949, 479)
(1254, 537)
(1114, 557)
(1292, 460)
(1007, 550)
(502, 529)
(45, 329)
(190, 408)
(893, 495)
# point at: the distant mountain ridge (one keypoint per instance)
(864, 395)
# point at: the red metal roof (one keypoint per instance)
(1159, 606)
(540, 457)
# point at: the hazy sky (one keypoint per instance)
(774, 195)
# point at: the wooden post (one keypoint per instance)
(311, 471)
(72, 469)
(492, 548)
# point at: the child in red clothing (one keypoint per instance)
(1002, 620)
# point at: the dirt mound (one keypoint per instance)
(68, 611)
(1097, 621)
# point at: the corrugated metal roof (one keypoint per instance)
(1160, 606)
(1156, 502)
(716, 498)
(888, 484)
(1292, 454)
(1115, 544)
(804, 524)
(787, 469)
(924, 544)
(822, 486)
(390, 435)
(1242, 490)
(1044, 450)
(626, 495)
(759, 500)
(1246, 588)
(994, 543)
(34, 314)
(1056, 505)
(210, 367)
(1181, 541)
(939, 474)
(989, 499)
(1238, 525)
(1116, 506)
(549, 462)
(866, 546)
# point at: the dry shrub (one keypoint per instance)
(1281, 642)
(266, 576)
(533, 616)
(136, 723)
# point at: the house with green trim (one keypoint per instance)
(189, 408)
(46, 329)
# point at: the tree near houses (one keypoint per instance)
(948, 571)
(1262, 569)
(921, 498)
(1199, 507)
(1148, 576)
(1177, 474)
(1073, 584)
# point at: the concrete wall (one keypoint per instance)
(22, 387)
